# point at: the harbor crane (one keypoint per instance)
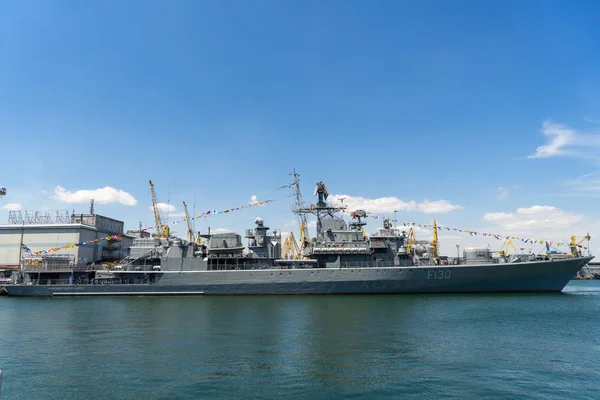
(190, 232)
(162, 230)
(290, 249)
(576, 245)
(434, 242)
(411, 241)
(508, 243)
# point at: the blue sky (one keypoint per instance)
(417, 101)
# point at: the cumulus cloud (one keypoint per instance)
(12, 207)
(438, 206)
(101, 196)
(168, 209)
(221, 230)
(164, 207)
(534, 218)
(566, 141)
(391, 204)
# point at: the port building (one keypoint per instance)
(43, 230)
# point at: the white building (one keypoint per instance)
(40, 234)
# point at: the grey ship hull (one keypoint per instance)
(538, 276)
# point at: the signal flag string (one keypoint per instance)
(106, 238)
(472, 233)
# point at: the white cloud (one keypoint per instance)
(169, 209)
(12, 207)
(164, 207)
(221, 230)
(502, 193)
(101, 196)
(389, 204)
(564, 140)
(311, 224)
(438, 206)
(560, 136)
(534, 218)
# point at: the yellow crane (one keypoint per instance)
(290, 249)
(574, 245)
(304, 236)
(434, 242)
(161, 229)
(190, 232)
(508, 243)
(411, 241)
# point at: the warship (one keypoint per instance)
(340, 259)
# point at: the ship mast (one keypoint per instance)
(322, 208)
(304, 236)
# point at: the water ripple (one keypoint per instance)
(317, 347)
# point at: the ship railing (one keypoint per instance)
(367, 264)
(58, 268)
(42, 282)
(95, 281)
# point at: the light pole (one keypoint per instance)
(395, 221)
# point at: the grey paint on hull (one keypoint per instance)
(540, 276)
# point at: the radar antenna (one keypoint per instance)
(357, 215)
(321, 190)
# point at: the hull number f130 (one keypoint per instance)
(439, 274)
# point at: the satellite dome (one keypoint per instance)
(258, 221)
